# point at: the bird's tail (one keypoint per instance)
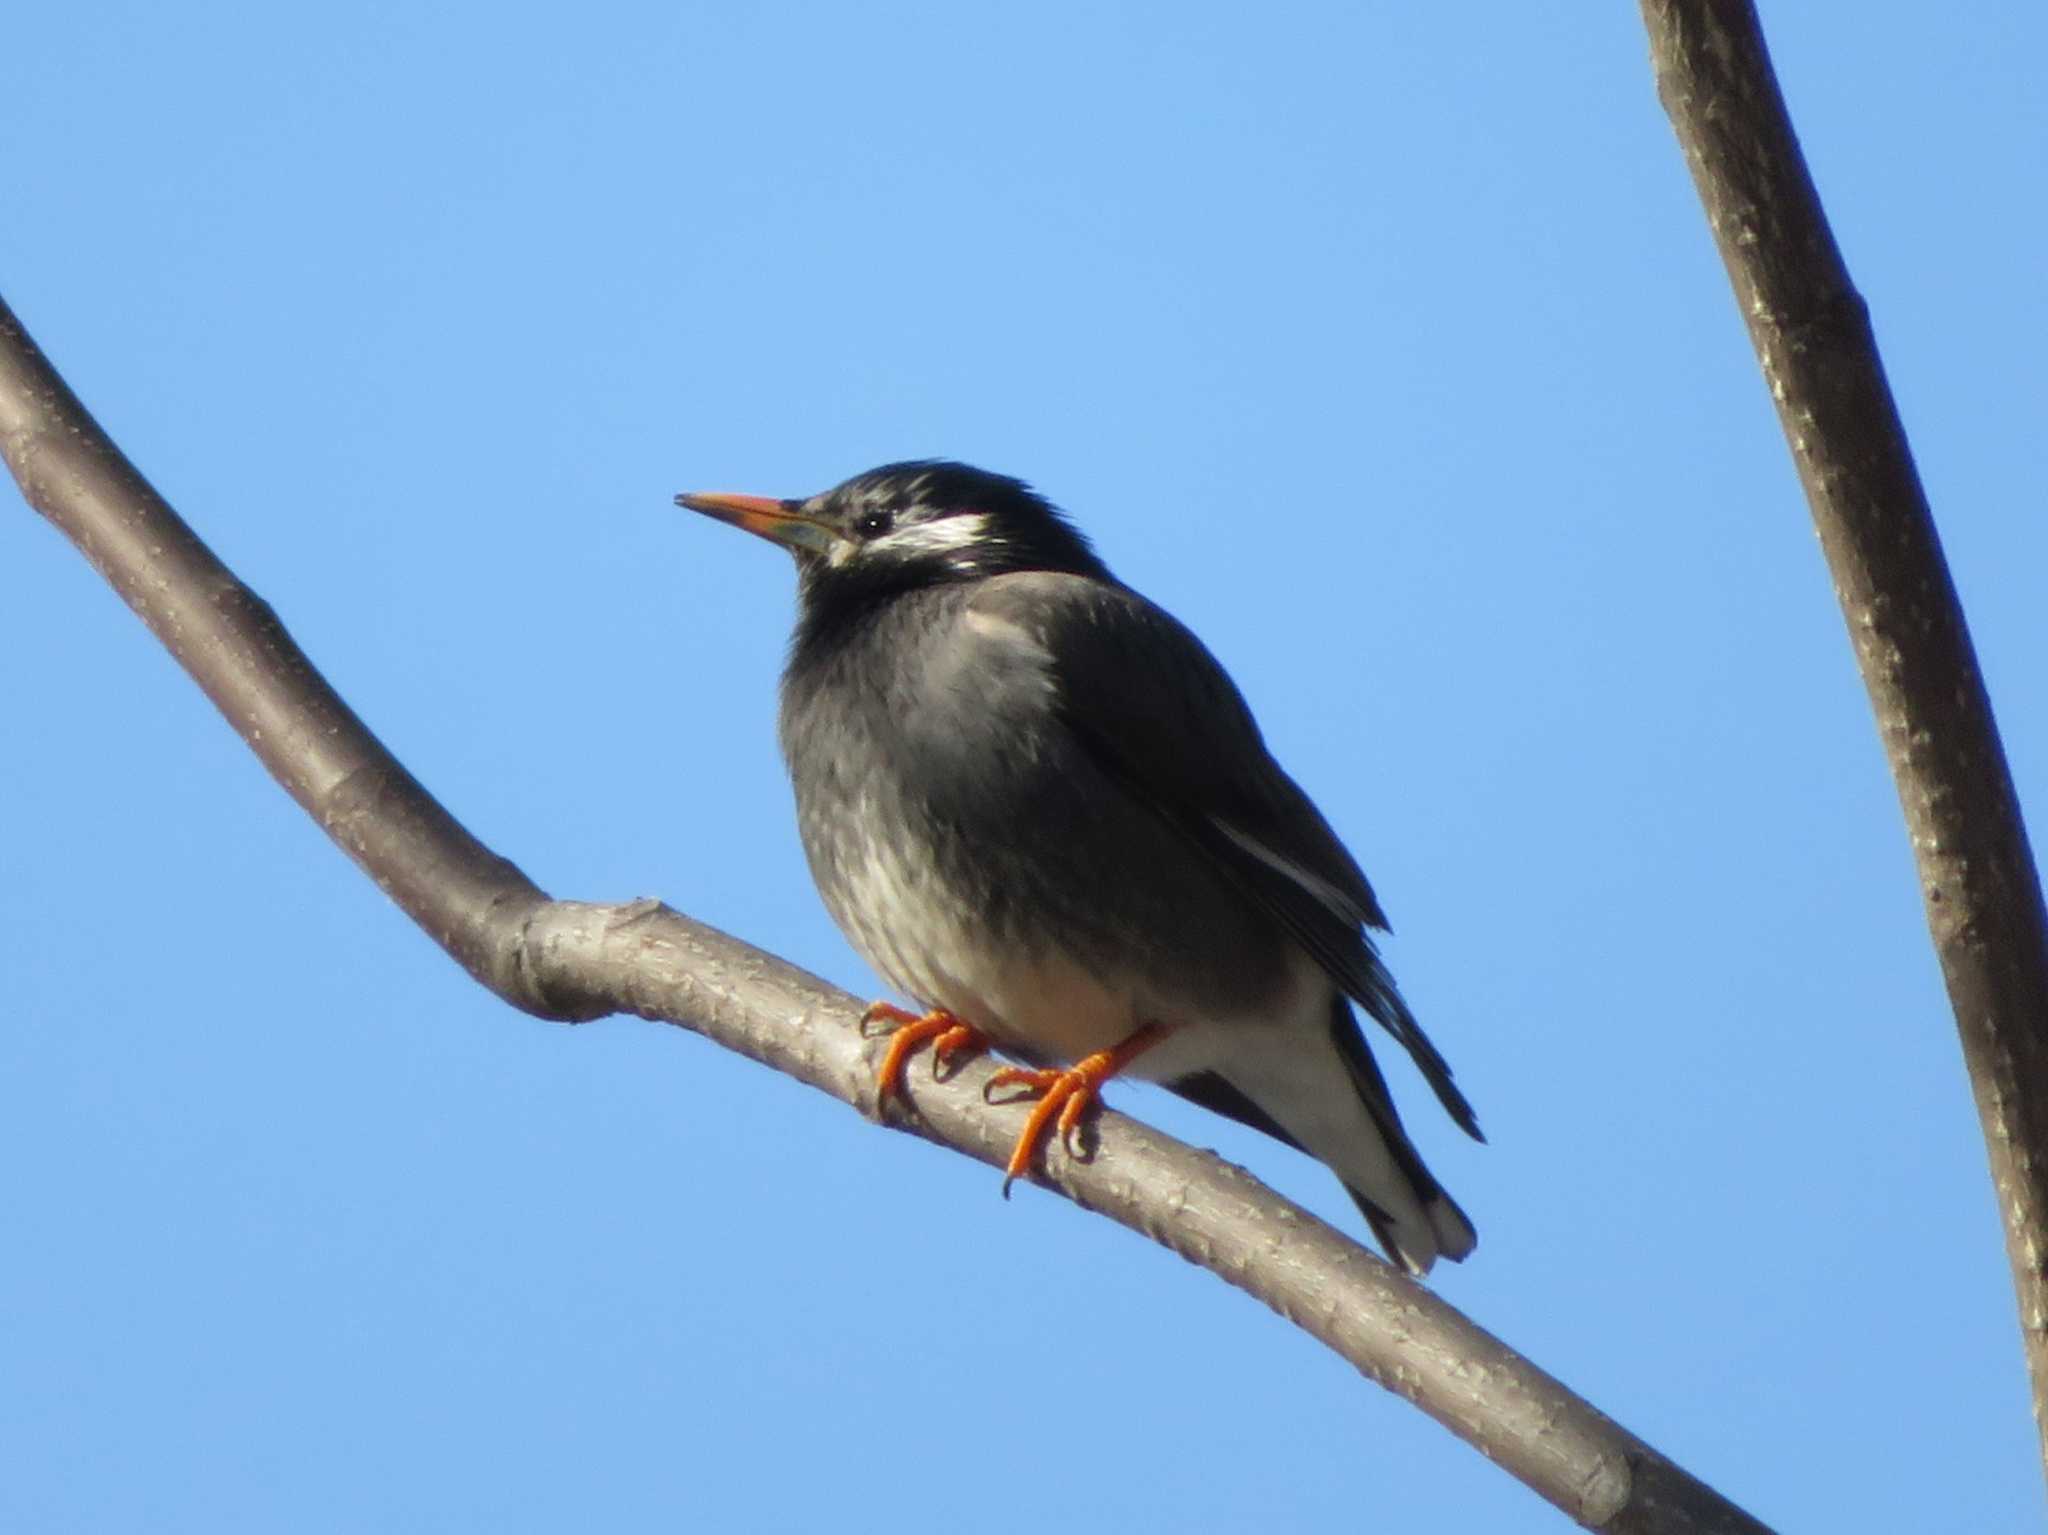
(1407, 1209)
(1326, 1097)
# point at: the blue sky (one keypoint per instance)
(1383, 344)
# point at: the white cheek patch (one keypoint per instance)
(944, 535)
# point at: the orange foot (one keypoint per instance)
(1065, 1092)
(951, 1039)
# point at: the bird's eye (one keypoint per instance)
(874, 524)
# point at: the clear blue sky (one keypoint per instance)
(1384, 344)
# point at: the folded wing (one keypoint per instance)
(1193, 754)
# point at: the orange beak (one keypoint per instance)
(777, 521)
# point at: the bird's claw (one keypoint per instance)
(1063, 1098)
(951, 1041)
(883, 1012)
(1065, 1094)
(954, 1046)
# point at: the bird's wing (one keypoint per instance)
(1167, 723)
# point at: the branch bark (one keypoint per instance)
(570, 960)
(1812, 334)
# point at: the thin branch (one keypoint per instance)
(1812, 334)
(569, 960)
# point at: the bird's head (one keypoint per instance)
(909, 525)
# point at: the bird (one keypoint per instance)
(1040, 808)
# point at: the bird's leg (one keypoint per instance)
(950, 1039)
(1066, 1093)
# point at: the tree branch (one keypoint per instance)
(569, 960)
(1812, 334)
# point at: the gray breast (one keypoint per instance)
(977, 857)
